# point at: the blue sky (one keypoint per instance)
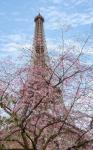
(75, 17)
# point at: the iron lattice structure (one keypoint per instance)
(39, 49)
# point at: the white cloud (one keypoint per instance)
(56, 17)
(76, 47)
(69, 3)
(70, 46)
(17, 42)
(52, 46)
(14, 42)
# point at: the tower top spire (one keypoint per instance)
(39, 16)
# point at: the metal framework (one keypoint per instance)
(40, 55)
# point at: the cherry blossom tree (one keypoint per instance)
(47, 108)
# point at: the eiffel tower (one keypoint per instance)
(42, 73)
(40, 56)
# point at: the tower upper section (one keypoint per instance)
(39, 44)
